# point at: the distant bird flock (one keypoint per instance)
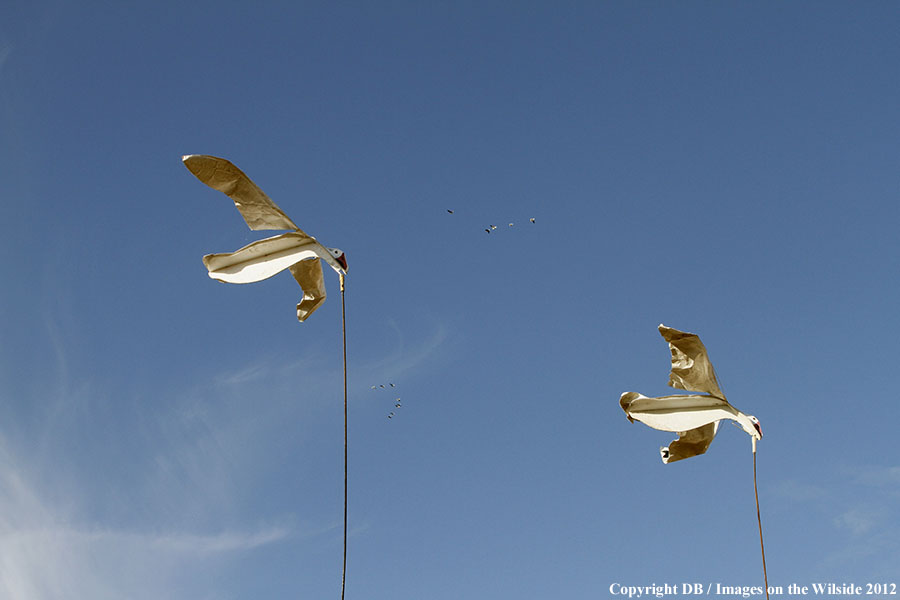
(491, 228)
(396, 401)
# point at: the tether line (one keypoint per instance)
(759, 520)
(344, 332)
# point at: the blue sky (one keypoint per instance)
(729, 169)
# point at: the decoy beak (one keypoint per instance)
(342, 260)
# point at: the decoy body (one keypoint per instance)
(297, 251)
(695, 417)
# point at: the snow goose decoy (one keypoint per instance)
(295, 250)
(695, 417)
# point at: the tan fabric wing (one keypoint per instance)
(308, 274)
(254, 205)
(691, 368)
(692, 443)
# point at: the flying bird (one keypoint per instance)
(531, 219)
(297, 251)
(695, 417)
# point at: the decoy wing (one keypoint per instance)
(675, 413)
(691, 368)
(690, 443)
(263, 258)
(308, 274)
(254, 205)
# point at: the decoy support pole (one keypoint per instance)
(344, 333)
(759, 521)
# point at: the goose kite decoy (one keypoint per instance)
(297, 251)
(695, 417)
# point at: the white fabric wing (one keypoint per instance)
(262, 259)
(675, 413)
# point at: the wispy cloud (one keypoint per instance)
(874, 555)
(877, 475)
(860, 520)
(245, 374)
(64, 562)
(171, 543)
(166, 509)
(46, 554)
(173, 501)
(401, 357)
(842, 502)
(798, 491)
(228, 541)
(859, 502)
(404, 357)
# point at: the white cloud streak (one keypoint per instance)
(402, 359)
(860, 504)
(143, 532)
(860, 520)
(878, 475)
(45, 554)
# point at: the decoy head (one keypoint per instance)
(339, 257)
(757, 430)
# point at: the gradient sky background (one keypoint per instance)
(725, 168)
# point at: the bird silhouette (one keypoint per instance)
(296, 250)
(694, 417)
